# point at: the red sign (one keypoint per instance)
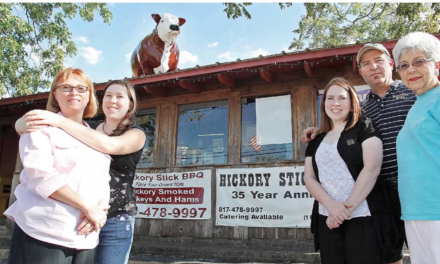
(174, 195)
(192, 195)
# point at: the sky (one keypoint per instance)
(207, 37)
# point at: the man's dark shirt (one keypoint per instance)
(389, 115)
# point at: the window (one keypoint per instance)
(272, 141)
(202, 135)
(146, 119)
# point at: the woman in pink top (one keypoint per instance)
(63, 182)
(124, 141)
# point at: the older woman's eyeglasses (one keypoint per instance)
(68, 88)
(404, 66)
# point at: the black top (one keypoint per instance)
(350, 148)
(122, 173)
(93, 124)
(389, 115)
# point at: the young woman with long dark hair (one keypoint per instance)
(351, 217)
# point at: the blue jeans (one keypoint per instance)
(115, 240)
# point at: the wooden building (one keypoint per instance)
(219, 98)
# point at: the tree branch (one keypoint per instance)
(18, 12)
(381, 12)
(339, 15)
(8, 90)
(37, 43)
(359, 18)
(314, 22)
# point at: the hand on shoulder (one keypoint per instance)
(309, 134)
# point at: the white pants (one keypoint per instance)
(423, 241)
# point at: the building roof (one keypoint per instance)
(306, 59)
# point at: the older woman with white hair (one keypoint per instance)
(417, 57)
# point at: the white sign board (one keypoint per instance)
(183, 195)
(263, 197)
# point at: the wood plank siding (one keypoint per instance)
(303, 90)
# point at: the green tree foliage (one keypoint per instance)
(335, 24)
(236, 10)
(34, 40)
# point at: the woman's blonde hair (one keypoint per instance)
(62, 76)
(355, 105)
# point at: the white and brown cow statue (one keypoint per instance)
(158, 52)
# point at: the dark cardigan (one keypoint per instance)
(350, 148)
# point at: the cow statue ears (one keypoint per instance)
(156, 18)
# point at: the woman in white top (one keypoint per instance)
(63, 182)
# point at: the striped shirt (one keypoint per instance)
(389, 114)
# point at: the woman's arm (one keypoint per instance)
(337, 210)
(96, 213)
(131, 141)
(42, 178)
(86, 226)
(372, 156)
(23, 126)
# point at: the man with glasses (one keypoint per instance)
(387, 104)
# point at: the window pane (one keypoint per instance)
(250, 150)
(202, 136)
(147, 120)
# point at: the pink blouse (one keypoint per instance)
(51, 159)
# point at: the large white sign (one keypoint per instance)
(263, 197)
(183, 195)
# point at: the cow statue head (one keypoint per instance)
(168, 27)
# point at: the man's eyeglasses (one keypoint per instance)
(404, 66)
(68, 88)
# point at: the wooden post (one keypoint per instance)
(304, 114)
(234, 130)
(166, 128)
(354, 63)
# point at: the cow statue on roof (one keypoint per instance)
(158, 52)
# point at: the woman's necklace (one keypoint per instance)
(103, 129)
